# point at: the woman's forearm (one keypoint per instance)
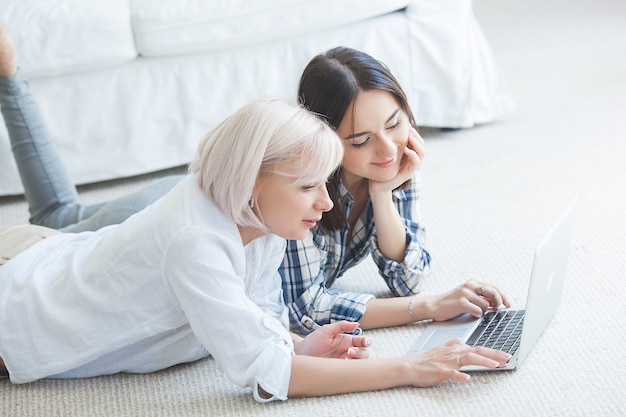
(312, 376)
(396, 311)
(390, 231)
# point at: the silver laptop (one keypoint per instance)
(514, 330)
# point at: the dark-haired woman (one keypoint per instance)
(376, 206)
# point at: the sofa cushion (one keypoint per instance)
(55, 37)
(165, 27)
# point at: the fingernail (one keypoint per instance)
(351, 351)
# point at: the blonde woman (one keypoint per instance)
(195, 274)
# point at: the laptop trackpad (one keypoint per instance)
(441, 332)
(438, 338)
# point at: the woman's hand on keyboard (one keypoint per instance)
(443, 362)
(471, 297)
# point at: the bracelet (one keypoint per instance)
(411, 309)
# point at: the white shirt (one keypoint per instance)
(170, 285)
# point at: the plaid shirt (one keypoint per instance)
(311, 266)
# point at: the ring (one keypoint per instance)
(480, 290)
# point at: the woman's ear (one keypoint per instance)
(256, 190)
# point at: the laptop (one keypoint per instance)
(514, 330)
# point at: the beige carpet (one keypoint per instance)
(490, 194)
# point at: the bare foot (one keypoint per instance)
(8, 57)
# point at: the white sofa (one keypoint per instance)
(129, 86)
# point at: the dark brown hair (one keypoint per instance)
(329, 85)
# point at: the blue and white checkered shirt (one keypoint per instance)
(311, 266)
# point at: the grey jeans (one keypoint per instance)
(51, 196)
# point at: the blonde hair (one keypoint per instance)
(259, 140)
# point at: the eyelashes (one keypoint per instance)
(367, 139)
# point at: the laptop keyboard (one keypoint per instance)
(499, 330)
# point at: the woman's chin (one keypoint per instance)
(384, 176)
(299, 235)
